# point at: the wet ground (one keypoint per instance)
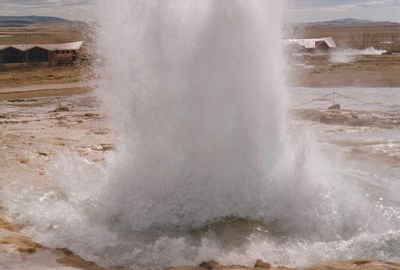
(33, 131)
(361, 140)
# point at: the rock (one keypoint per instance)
(61, 109)
(103, 147)
(107, 147)
(210, 265)
(280, 268)
(357, 151)
(29, 250)
(262, 265)
(359, 122)
(23, 160)
(332, 120)
(334, 107)
(356, 264)
(101, 132)
(182, 268)
(311, 114)
(67, 251)
(354, 115)
(16, 100)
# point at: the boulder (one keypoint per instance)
(334, 107)
(61, 109)
(210, 265)
(262, 265)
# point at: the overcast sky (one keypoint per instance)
(298, 10)
(67, 9)
(322, 10)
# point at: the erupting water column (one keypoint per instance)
(196, 91)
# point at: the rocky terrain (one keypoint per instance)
(356, 264)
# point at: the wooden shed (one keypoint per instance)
(55, 54)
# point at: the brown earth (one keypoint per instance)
(26, 150)
(12, 75)
(364, 71)
(42, 93)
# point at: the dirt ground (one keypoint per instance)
(12, 75)
(34, 130)
(364, 71)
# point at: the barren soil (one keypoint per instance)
(365, 71)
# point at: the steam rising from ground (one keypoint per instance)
(205, 167)
(348, 55)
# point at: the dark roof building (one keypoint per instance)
(53, 53)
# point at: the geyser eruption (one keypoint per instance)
(196, 89)
(204, 168)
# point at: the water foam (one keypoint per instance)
(205, 167)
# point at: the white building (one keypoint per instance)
(311, 44)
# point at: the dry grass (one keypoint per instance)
(43, 34)
(364, 71)
(19, 75)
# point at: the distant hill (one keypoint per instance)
(20, 21)
(347, 21)
(351, 21)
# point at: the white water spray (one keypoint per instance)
(202, 108)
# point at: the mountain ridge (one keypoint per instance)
(352, 21)
(21, 21)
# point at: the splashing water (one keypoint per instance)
(204, 168)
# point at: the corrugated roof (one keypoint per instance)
(71, 46)
(311, 43)
(23, 47)
(2, 47)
